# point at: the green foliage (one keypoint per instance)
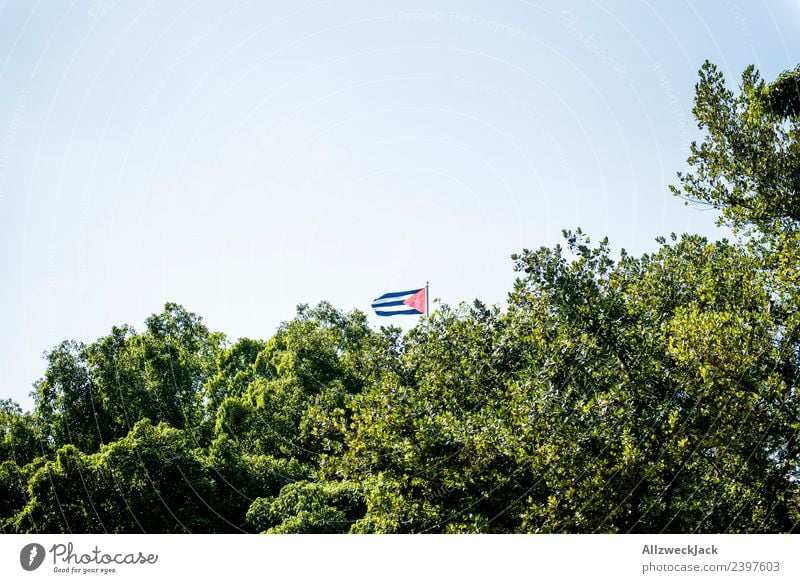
(782, 96)
(308, 507)
(151, 480)
(13, 494)
(666, 376)
(20, 440)
(92, 395)
(613, 394)
(748, 165)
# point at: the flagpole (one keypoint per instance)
(427, 301)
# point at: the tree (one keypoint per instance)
(748, 167)
(152, 480)
(68, 401)
(284, 407)
(93, 394)
(20, 440)
(748, 164)
(655, 397)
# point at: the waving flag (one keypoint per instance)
(412, 302)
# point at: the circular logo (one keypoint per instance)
(31, 556)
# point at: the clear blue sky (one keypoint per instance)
(241, 158)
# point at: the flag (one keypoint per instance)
(405, 302)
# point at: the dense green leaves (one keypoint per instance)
(748, 165)
(612, 394)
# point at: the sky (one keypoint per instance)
(241, 158)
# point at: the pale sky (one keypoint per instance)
(242, 158)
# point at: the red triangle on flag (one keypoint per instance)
(417, 301)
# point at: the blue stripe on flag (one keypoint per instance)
(387, 304)
(396, 313)
(398, 294)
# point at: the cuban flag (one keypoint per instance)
(405, 302)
